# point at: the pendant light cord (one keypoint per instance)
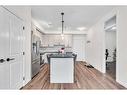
(62, 22)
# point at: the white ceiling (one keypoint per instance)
(48, 18)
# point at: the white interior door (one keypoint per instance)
(16, 56)
(4, 33)
(4, 49)
(79, 46)
(11, 49)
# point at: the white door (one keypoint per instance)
(11, 49)
(79, 46)
(4, 49)
(16, 53)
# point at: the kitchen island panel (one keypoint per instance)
(62, 70)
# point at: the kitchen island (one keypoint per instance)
(62, 68)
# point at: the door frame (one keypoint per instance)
(104, 61)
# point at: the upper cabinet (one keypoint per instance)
(54, 40)
(36, 34)
(68, 40)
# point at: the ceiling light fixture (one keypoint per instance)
(113, 28)
(62, 34)
(81, 28)
(50, 24)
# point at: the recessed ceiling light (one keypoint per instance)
(46, 24)
(113, 28)
(50, 24)
(81, 28)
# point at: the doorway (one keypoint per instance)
(110, 47)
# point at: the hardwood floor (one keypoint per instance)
(87, 78)
(111, 69)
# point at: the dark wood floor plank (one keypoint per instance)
(86, 78)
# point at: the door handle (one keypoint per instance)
(9, 59)
(2, 60)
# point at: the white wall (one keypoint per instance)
(121, 66)
(24, 13)
(110, 39)
(95, 50)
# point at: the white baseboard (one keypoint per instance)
(122, 83)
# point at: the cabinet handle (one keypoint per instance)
(2, 60)
(9, 59)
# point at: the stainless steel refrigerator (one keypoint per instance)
(35, 55)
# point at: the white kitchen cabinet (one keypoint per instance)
(56, 40)
(68, 40)
(11, 46)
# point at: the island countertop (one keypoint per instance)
(61, 55)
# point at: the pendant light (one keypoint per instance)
(62, 34)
